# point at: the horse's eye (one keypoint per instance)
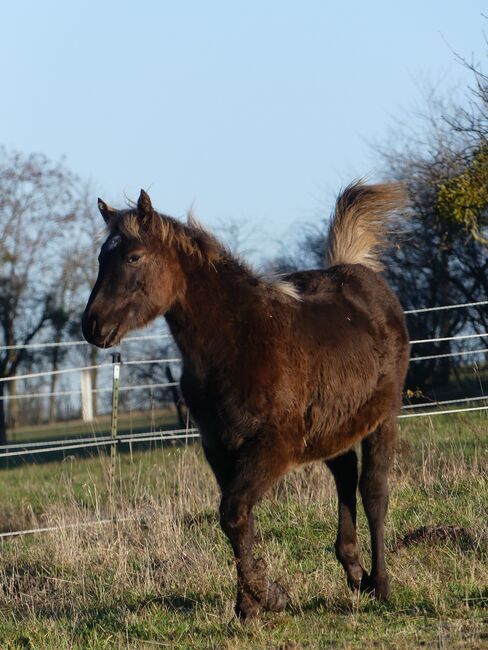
(132, 259)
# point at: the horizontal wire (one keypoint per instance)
(458, 306)
(64, 393)
(182, 436)
(52, 344)
(446, 401)
(45, 450)
(175, 434)
(76, 524)
(167, 384)
(47, 373)
(418, 415)
(165, 432)
(450, 338)
(61, 371)
(68, 441)
(450, 354)
(61, 344)
(99, 443)
(46, 443)
(143, 362)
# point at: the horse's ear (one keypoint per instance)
(105, 210)
(144, 206)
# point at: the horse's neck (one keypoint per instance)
(212, 317)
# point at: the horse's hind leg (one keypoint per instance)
(377, 457)
(344, 468)
(256, 470)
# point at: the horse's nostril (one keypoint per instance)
(94, 326)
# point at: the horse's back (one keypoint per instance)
(350, 302)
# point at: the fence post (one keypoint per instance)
(86, 396)
(116, 360)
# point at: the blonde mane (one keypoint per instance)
(191, 238)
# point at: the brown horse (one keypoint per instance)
(276, 373)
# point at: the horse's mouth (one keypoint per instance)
(111, 339)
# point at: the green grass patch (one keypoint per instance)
(165, 577)
(132, 422)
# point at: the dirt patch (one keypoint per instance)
(464, 538)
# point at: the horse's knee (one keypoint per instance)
(234, 513)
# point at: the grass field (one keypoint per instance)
(128, 422)
(166, 578)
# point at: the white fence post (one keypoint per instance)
(86, 396)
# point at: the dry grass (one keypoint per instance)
(166, 579)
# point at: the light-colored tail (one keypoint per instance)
(362, 224)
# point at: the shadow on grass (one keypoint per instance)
(320, 604)
(110, 616)
(41, 458)
(367, 605)
(182, 604)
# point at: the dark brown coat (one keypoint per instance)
(275, 373)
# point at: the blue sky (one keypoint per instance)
(252, 111)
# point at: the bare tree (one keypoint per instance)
(37, 209)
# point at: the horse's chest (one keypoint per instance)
(217, 411)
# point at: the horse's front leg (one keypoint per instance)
(256, 469)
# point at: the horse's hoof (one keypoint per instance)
(379, 587)
(356, 576)
(276, 598)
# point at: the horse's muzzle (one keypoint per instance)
(103, 335)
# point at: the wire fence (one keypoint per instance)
(177, 360)
(428, 409)
(64, 344)
(147, 337)
(115, 521)
(461, 305)
(78, 443)
(64, 393)
(68, 444)
(44, 447)
(61, 371)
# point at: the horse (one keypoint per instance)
(276, 372)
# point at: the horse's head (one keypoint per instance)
(138, 277)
